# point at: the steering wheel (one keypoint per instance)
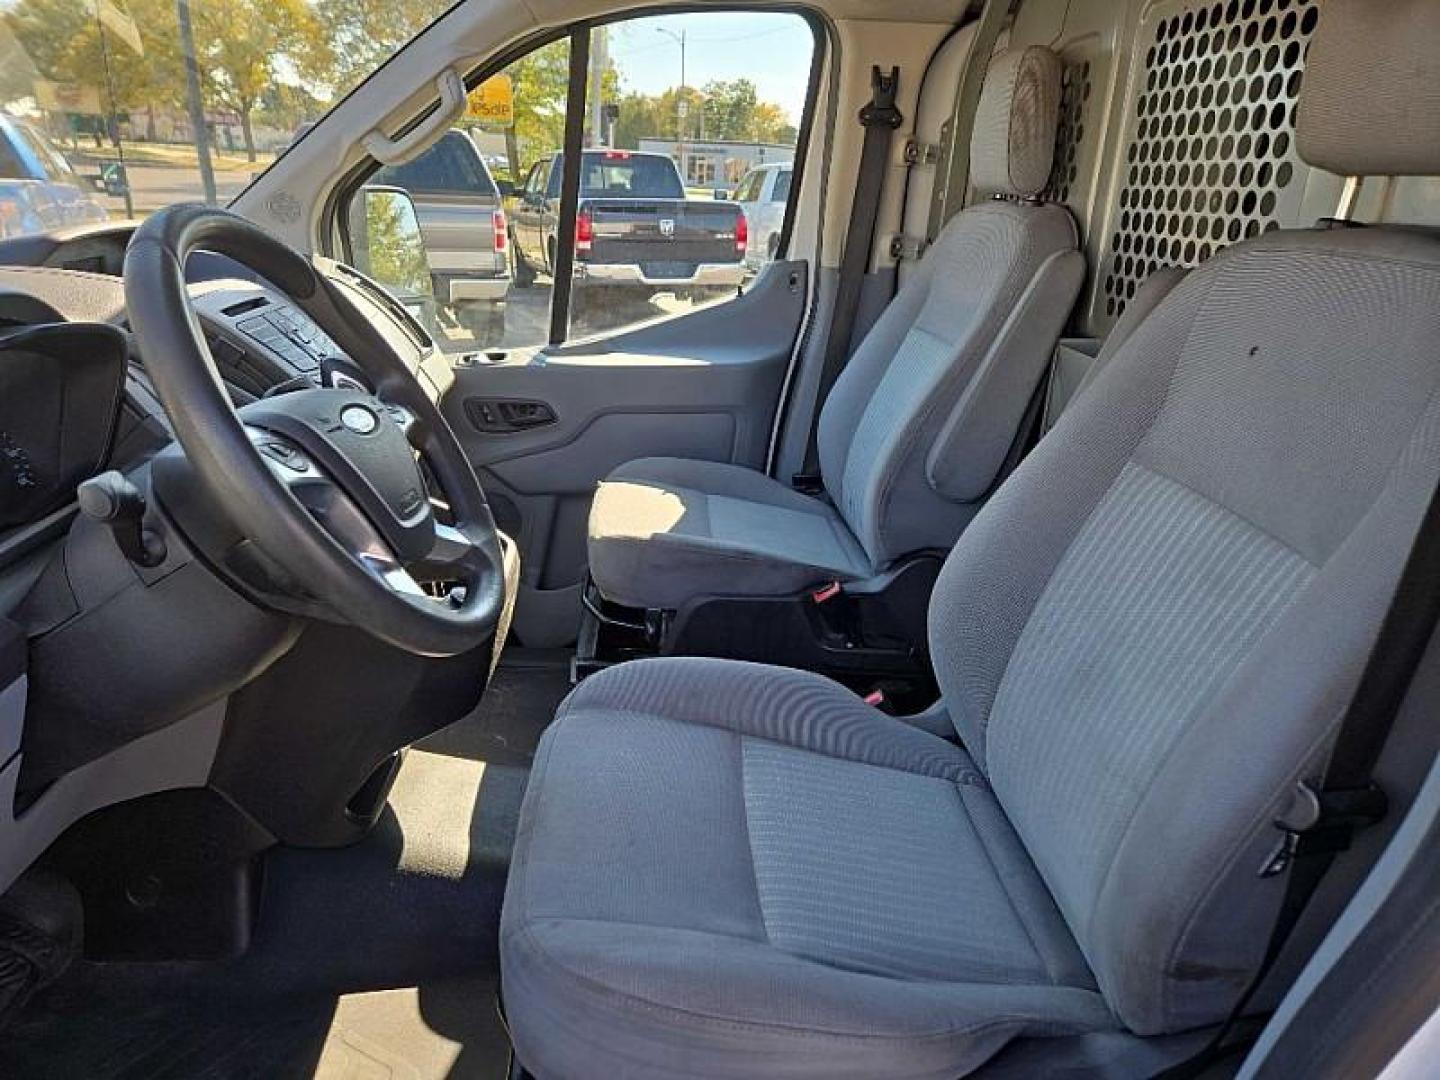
(321, 488)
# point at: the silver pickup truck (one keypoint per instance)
(635, 231)
(463, 221)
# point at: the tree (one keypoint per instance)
(639, 119)
(540, 80)
(770, 125)
(243, 43)
(286, 106)
(61, 40)
(728, 109)
(360, 35)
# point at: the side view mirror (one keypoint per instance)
(506, 188)
(387, 244)
(720, 194)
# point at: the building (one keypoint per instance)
(717, 164)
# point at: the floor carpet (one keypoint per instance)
(374, 962)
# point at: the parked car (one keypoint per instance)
(762, 194)
(39, 189)
(463, 220)
(635, 231)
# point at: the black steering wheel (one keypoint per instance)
(320, 487)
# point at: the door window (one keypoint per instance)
(701, 99)
(675, 109)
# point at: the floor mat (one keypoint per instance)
(447, 1028)
(519, 703)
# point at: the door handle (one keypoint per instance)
(506, 416)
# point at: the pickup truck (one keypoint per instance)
(38, 188)
(763, 194)
(635, 232)
(463, 222)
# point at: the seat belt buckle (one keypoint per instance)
(808, 483)
(1326, 820)
(826, 592)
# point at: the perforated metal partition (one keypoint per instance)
(1209, 149)
(1076, 89)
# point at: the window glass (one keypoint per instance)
(681, 108)
(487, 219)
(11, 167)
(452, 166)
(749, 188)
(781, 191)
(98, 90)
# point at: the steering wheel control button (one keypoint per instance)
(285, 454)
(359, 419)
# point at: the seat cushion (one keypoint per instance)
(664, 531)
(730, 870)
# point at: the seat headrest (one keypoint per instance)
(1370, 100)
(1013, 140)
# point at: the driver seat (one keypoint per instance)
(731, 870)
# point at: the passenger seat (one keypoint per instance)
(917, 428)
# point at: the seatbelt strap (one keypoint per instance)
(1325, 814)
(880, 118)
(952, 175)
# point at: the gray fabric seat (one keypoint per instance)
(1144, 640)
(666, 523)
(917, 426)
(776, 812)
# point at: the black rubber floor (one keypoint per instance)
(375, 961)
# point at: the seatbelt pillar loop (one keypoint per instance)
(880, 118)
(880, 110)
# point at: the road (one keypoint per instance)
(154, 186)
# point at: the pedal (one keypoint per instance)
(40, 936)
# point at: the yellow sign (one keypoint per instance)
(492, 103)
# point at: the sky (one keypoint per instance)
(771, 49)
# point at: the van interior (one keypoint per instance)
(968, 610)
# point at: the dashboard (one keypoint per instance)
(260, 340)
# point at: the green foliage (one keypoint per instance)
(720, 110)
(243, 43)
(360, 35)
(62, 41)
(392, 250)
(282, 61)
(540, 81)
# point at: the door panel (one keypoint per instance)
(703, 385)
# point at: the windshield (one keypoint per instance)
(103, 114)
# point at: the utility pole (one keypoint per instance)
(112, 115)
(599, 57)
(192, 98)
(681, 105)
